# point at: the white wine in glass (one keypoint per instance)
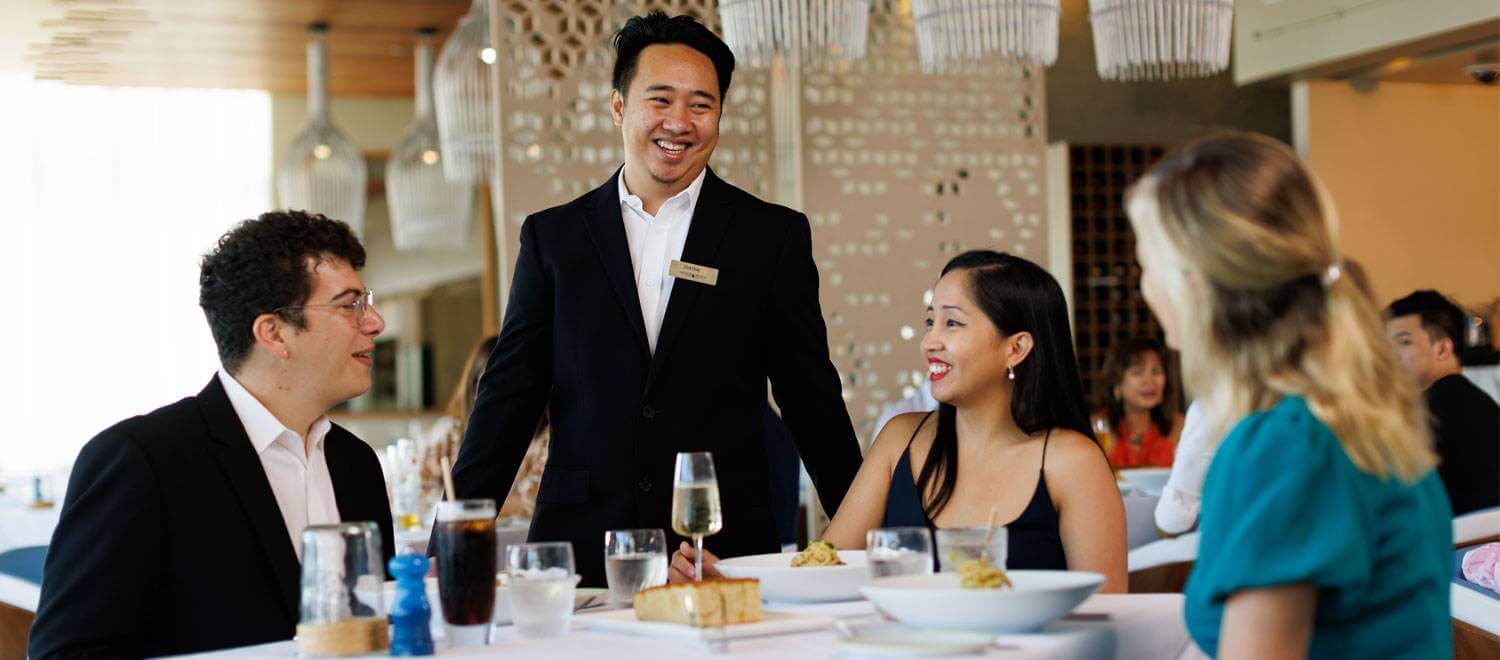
(695, 502)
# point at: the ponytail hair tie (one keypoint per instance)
(1332, 274)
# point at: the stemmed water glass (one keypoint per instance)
(695, 502)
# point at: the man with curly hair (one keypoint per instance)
(181, 530)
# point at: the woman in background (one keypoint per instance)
(1325, 531)
(448, 434)
(1137, 405)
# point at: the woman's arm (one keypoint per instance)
(1090, 512)
(864, 505)
(1274, 622)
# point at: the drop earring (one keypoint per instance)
(1010, 373)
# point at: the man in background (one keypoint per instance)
(1426, 330)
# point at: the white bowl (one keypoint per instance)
(779, 582)
(936, 601)
(1148, 481)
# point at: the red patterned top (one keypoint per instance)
(1152, 449)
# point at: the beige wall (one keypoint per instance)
(1413, 169)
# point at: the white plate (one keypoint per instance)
(1148, 481)
(936, 601)
(916, 642)
(772, 623)
(779, 582)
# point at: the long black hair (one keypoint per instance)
(1017, 296)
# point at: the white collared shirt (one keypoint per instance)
(655, 242)
(298, 472)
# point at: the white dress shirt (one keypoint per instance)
(1177, 510)
(655, 242)
(298, 472)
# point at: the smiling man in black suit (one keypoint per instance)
(181, 530)
(647, 316)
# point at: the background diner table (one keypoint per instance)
(1120, 626)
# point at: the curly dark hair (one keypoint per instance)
(657, 28)
(262, 265)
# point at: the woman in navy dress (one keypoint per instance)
(1011, 432)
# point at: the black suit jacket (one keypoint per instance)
(574, 340)
(1466, 428)
(171, 541)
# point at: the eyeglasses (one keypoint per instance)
(359, 306)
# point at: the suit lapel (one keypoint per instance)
(607, 231)
(711, 217)
(246, 475)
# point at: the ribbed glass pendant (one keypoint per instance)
(464, 97)
(1161, 39)
(807, 32)
(953, 32)
(322, 171)
(427, 210)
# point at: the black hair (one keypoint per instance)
(1121, 356)
(1017, 296)
(658, 28)
(1440, 317)
(262, 265)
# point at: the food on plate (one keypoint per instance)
(818, 553)
(981, 574)
(714, 602)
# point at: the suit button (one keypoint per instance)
(648, 412)
(645, 484)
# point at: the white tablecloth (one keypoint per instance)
(1126, 627)
(1140, 519)
(21, 527)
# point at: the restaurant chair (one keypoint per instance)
(20, 588)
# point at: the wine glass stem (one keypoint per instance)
(698, 557)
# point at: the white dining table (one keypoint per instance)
(1121, 626)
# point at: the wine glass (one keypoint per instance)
(695, 502)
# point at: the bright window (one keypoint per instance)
(109, 197)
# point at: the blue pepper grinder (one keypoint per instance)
(410, 611)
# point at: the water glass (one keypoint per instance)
(342, 608)
(961, 544)
(542, 583)
(466, 558)
(899, 551)
(634, 559)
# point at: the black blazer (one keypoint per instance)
(574, 341)
(171, 541)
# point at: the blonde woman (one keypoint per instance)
(1325, 531)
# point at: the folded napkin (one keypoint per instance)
(1482, 566)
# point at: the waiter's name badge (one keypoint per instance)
(694, 272)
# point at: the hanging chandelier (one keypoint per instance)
(321, 170)
(1161, 39)
(427, 210)
(952, 32)
(809, 32)
(464, 96)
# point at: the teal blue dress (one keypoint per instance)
(1283, 504)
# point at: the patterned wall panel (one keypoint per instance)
(901, 171)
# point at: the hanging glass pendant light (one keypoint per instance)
(807, 32)
(464, 95)
(952, 32)
(321, 170)
(1161, 39)
(427, 210)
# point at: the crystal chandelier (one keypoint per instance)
(809, 32)
(1161, 39)
(950, 32)
(322, 171)
(427, 210)
(464, 95)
